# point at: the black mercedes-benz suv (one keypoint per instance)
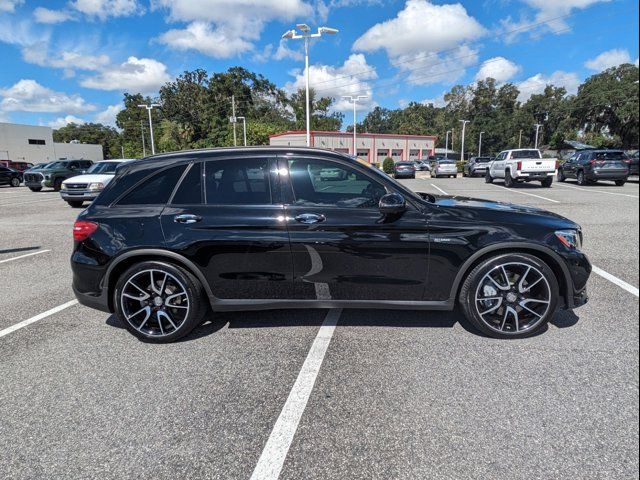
(176, 237)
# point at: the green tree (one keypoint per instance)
(94, 133)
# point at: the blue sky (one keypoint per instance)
(72, 60)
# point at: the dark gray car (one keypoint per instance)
(592, 166)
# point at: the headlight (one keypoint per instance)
(96, 186)
(570, 238)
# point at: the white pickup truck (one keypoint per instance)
(522, 165)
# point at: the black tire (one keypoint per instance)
(464, 174)
(487, 177)
(197, 303)
(508, 179)
(35, 189)
(620, 183)
(75, 203)
(15, 182)
(547, 182)
(582, 179)
(561, 176)
(57, 184)
(472, 284)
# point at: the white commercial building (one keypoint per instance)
(374, 147)
(33, 144)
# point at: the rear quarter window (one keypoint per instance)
(155, 190)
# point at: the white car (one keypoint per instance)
(522, 165)
(85, 188)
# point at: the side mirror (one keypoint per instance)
(392, 203)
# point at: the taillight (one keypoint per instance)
(83, 230)
(519, 165)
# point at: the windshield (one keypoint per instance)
(57, 165)
(104, 168)
(526, 154)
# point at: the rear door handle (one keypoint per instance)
(310, 218)
(187, 218)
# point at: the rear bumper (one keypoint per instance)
(95, 301)
(615, 175)
(534, 175)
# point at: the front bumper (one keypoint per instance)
(77, 195)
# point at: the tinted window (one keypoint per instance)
(104, 167)
(155, 190)
(237, 182)
(525, 154)
(610, 156)
(190, 189)
(319, 182)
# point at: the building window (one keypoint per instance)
(36, 141)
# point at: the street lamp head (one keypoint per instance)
(328, 30)
(303, 27)
(288, 35)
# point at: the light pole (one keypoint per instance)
(355, 100)
(538, 126)
(446, 144)
(480, 145)
(520, 140)
(306, 35)
(149, 108)
(144, 146)
(244, 126)
(464, 126)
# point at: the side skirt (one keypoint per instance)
(240, 305)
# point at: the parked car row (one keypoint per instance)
(591, 166)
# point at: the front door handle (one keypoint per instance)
(310, 218)
(187, 218)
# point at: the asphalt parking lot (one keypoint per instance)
(391, 394)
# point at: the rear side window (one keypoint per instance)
(237, 182)
(155, 190)
(190, 190)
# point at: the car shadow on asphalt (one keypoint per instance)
(17, 250)
(349, 318)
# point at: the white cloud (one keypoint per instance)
(45, 15)
(103, 9)
(208, 40)
(108, 116)
(537, 83)
(64, 121)
(29, 96)
(498, 68)
(436, 102)
(550, 16)
(21, 33)
(608, 59)
(330, 81)
(9, 5)
(225, 28)
(136, 75)
(426, 40)
(284, 52)
(39, 54)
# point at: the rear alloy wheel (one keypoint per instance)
(620, 183)
(57, 184)
(159, 302)
(582, 180)
(508, 179)
(547, 182)
(15, 182)
(487, 177)
(510, 296)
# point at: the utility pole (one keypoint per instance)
(446, 144)
(144, 146)
(354, 100)
(234, 120)
(480, 145)
(149, 108)
(520, 140)
(538, 126)
(306, 35)
(244, 126)
(122, 150)
(464, 126)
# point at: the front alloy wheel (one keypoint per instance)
(511, 296)
(15, 182)
(159, 302)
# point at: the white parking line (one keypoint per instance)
(24, 256)
(275, 451)
(27, 203)
(31, 320)
(525, 193)
(613, 279)
(439, 189)
(597, 191)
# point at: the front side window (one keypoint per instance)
(155, 190)
(324, 183)
(239, 181)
